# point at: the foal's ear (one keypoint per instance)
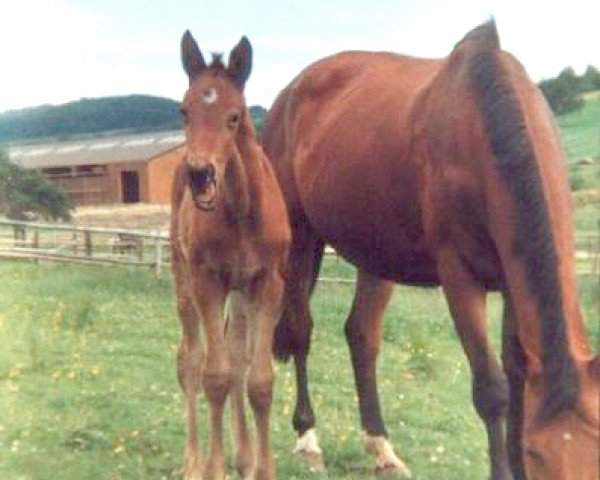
(191, 57)
(240, 63)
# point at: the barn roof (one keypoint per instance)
(95, 151)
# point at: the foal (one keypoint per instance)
(230, 240)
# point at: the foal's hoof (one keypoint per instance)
(193, 474)
(393, 470)
(308, 451)
(193, 468)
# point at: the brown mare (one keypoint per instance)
(442, 172)
(230, 237)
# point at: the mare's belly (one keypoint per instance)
(381, 239)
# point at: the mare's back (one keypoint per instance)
(347, 104)
(360, 85)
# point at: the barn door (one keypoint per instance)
(130, 185)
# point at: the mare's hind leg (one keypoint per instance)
(363, 333)
(292, 334)
(189, 364)
(514, 360)
(466, 299)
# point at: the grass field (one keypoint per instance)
(581, 139)
(87, 376)
(89, 391)
(580, 130)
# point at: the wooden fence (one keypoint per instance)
(86, 245)
(104, 246)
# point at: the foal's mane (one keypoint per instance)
(534, 242)
(217, 61)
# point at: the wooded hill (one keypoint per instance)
(133, 113)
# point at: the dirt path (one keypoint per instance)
(135, 217)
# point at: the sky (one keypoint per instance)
(56, 51)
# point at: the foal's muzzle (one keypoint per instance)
(203, 185)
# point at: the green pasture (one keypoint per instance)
(580, 130)
(88, 387)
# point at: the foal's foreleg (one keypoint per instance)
(216, 377)
(237, 337)
(266, 309)
(189, 364)
(363, 333)
(466, 299)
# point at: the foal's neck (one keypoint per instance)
(240, 182)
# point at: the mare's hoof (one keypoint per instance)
(308, 451)
(313, 460)
(387, 463)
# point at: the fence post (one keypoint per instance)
(596, 262)
(74, 242)
(20, 234)
(158, 245)
(88, 243)
(596, 270)
(139, 242)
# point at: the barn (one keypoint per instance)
(108, 169)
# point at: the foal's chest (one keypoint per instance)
(234, 257)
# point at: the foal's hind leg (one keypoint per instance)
(466, 299)
(514, 360)
(265, 302)
(292, 334)
(363, 333)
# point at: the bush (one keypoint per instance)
(576, 180)
(25, 194)
(563, 93)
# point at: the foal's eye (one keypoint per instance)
(184, 114)
(534, 455)
(233, 120)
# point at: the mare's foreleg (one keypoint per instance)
(466, 299)
(514, 360)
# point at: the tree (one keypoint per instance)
(591, 79)
(563, 92)
(25, 193)
(90, 115)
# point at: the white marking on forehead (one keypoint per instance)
(210, 96)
